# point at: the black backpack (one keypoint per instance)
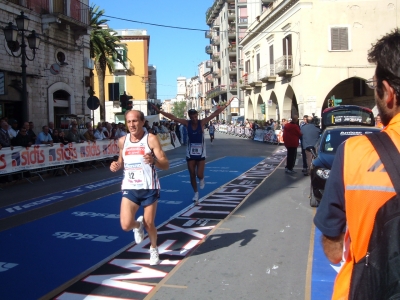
(377, 275)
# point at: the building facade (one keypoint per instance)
(57, 79)
(298, 54)
(137, 79)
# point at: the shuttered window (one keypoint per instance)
(340, 38)
(121, 81)
(258, 61)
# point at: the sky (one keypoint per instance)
(174, 52)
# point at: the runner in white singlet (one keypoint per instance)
(139, 154)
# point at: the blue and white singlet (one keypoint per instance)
(137, 174)
(196, 148)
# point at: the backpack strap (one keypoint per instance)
(389, 156)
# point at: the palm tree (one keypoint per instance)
(104, 45)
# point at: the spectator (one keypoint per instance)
(13, 131)
(59, 137)
(99, 133)
(303, 151)
(22, 139)
(283, 123)
(89, 135)
(88, 125)
(31, 133)
(5, 140)
(183, 134)
(310, 135)
(177, 131)
(44, 137)
(51, 128)
(74, 136)
(291, 136)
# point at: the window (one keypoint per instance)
(339, 39)
(287, 45)
(258, 61)
(271, 54)
(121, 81)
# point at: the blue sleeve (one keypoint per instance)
(330, 218)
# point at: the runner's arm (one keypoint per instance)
(216, 113)
(170, 116)
(159, 159)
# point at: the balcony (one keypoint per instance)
(245, 83)
(231, 14)
(267, 73)
(208, 34)
(120, 67)
(215, 57)
(208, 49)
(215, 40)
(284, 66)
(209, 64)
(253, 80)
(216, 73)
(65, 12)
(233, 68)
(232, 50)
(209, 79)
(267, 1)
(231, 33)
(233, 87)
(216, 91)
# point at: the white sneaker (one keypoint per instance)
(202, 183)
(196, 197)
(154, 258)
(139, 232)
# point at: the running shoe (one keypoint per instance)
(154, 258)
(139, 232)
(196, 197)
(290, 171)
(202, 183)
(304, 170)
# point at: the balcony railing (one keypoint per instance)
(233, 68)
(253, 79)
(209, 78)
(208, 34)
(284, 65)
(208, 49)
(215, 40)
(216, 73)
(231, 14)
(215, 56)
(232, 50)
(209, 64)
(73, 9)
(120, 67)
(267, 73)
(216, 91)
(231, 33)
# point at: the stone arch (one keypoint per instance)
(273, 107)
(289, 107)
(69, 103)
(352, 91)
(259, 115)
(250, 109)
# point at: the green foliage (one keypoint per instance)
(179, 109)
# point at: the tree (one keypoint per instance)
(179, 109)
(104, 45)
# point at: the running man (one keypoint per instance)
(196, 148)
(139, 154)
(211, 131)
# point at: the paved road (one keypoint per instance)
(262, 250)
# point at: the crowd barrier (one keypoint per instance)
(43, 158)
(261, 135)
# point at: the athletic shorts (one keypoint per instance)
(212, 134)
(142, 197)
(197, 159)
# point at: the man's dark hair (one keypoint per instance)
(386, 54)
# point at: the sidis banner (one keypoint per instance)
(40, 156)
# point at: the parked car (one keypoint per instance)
(325, 152)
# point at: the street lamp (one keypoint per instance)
(11, 33)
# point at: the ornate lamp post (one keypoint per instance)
(11, 34)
